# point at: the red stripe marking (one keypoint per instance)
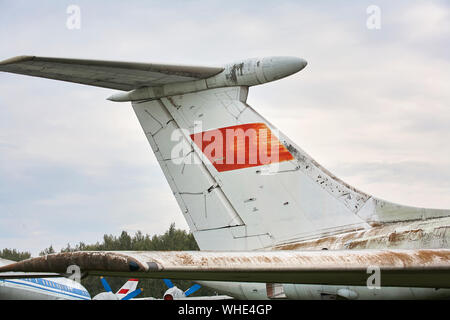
(241, 146)
(123, 291)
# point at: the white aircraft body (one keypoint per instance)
(30, 287)
(267, 217)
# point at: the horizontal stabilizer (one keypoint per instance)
(398, 268)
(124, 76)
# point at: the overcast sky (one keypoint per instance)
(372, 106)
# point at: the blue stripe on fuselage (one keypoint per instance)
(47, 285)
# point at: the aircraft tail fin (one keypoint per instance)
(128, 287)
(242, 184)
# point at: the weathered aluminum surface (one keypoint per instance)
(421, 234)
(415, 268)
(352, 198)
(108, 74)
(249, 72)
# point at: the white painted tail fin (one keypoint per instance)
(127, 288)
(233, 195)
(247, 204)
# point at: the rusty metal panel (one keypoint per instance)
(411, 268)
(421, 234)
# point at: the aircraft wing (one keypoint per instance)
(124, 76)
(18, 275)
(398, 268)
(21, 275)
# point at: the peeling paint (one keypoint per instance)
(400, 268)
(352, 198)
(257, 260)
(234, 71)
(429, 234)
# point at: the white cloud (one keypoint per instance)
(425, 20)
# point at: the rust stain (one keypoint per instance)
(204, 262)
(426, 257)
(116, 262)
(392, 257)
(360, 244)
(186, 259)
(396, 235)
(90, 260)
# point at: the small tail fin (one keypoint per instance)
(128, 287)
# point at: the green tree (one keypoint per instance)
(48, 250)
(14, 255)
